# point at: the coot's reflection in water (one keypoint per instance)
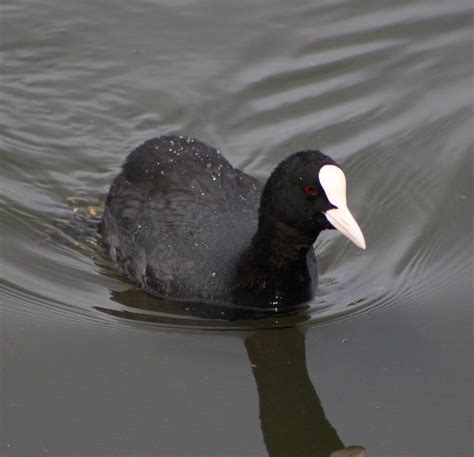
(292, 417)
(291, 414)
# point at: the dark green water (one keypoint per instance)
(383, 357)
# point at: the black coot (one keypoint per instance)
(183, 224)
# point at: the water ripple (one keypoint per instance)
(383, 90)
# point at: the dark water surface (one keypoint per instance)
(382, 358)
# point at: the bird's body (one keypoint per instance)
(183, 224)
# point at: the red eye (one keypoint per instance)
(310, 190)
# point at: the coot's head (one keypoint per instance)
(307, 192)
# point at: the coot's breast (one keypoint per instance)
(178, 218)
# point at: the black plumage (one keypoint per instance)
(183, 224)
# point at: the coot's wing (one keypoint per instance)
(178, 217)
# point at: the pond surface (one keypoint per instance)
(382, 357)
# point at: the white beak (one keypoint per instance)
(333, 181)
(341, 218)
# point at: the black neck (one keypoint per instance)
(274, 272)
(279, 248)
